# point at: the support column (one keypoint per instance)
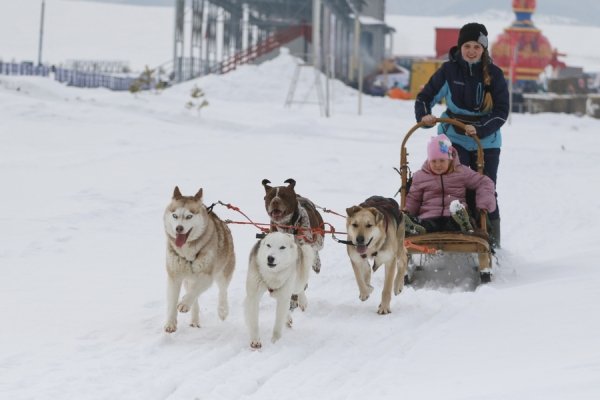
(196, 39)
(41, 40)
(178, 41)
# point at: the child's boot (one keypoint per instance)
(412, 228)
(461, 216)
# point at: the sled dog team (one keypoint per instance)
(200, 251)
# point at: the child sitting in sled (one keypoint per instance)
(436, 200)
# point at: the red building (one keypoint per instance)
(445, 38)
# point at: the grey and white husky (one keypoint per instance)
(199, 250)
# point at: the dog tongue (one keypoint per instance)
(361, 248)
(180, 239)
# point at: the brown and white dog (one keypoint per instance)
(292, 213)
(199, 251)
(376, 232)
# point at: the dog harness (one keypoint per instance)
(386, 205)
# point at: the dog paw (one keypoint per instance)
(195, 319)
(183, 308)
(276, 336)
(170, 327)
(317, 264)
(302, 301)
(303, 305)
(289, 322)
(364, 295)
(398, 290)
(255, 344)
(383, 310)
(223, 312)
(399, 285)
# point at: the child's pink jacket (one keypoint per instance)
(430, 194)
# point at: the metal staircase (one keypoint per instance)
(272, 42)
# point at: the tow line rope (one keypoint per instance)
(330, 211)
(250, 222)
(302, 232)
(407, 243)
(265, 228)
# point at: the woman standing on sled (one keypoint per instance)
(476, 94)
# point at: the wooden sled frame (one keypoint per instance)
(453, 242)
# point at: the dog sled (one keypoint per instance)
(448, 242)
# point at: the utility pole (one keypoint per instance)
(41, 33)
(326, 46)
(316, 34)
(316, 41)
(356, 60)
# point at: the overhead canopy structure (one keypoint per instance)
(283, 13)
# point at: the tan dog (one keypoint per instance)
(286, 208)
(376, 232)
(199, 250)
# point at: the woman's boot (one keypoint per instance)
(495, 232)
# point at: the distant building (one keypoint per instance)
(374, 31)
(227, 33)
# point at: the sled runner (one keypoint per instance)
(452, 242)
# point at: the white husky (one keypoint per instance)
(199, 250)
(280, 266)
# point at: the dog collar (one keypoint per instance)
(295, 219)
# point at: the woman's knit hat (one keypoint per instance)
(473, 32)
(439, 147)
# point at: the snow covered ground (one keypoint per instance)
(86, 175)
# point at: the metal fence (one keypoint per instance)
(71, 77)
(24, 68)
(92, 79)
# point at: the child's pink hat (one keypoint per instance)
(439, 147)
